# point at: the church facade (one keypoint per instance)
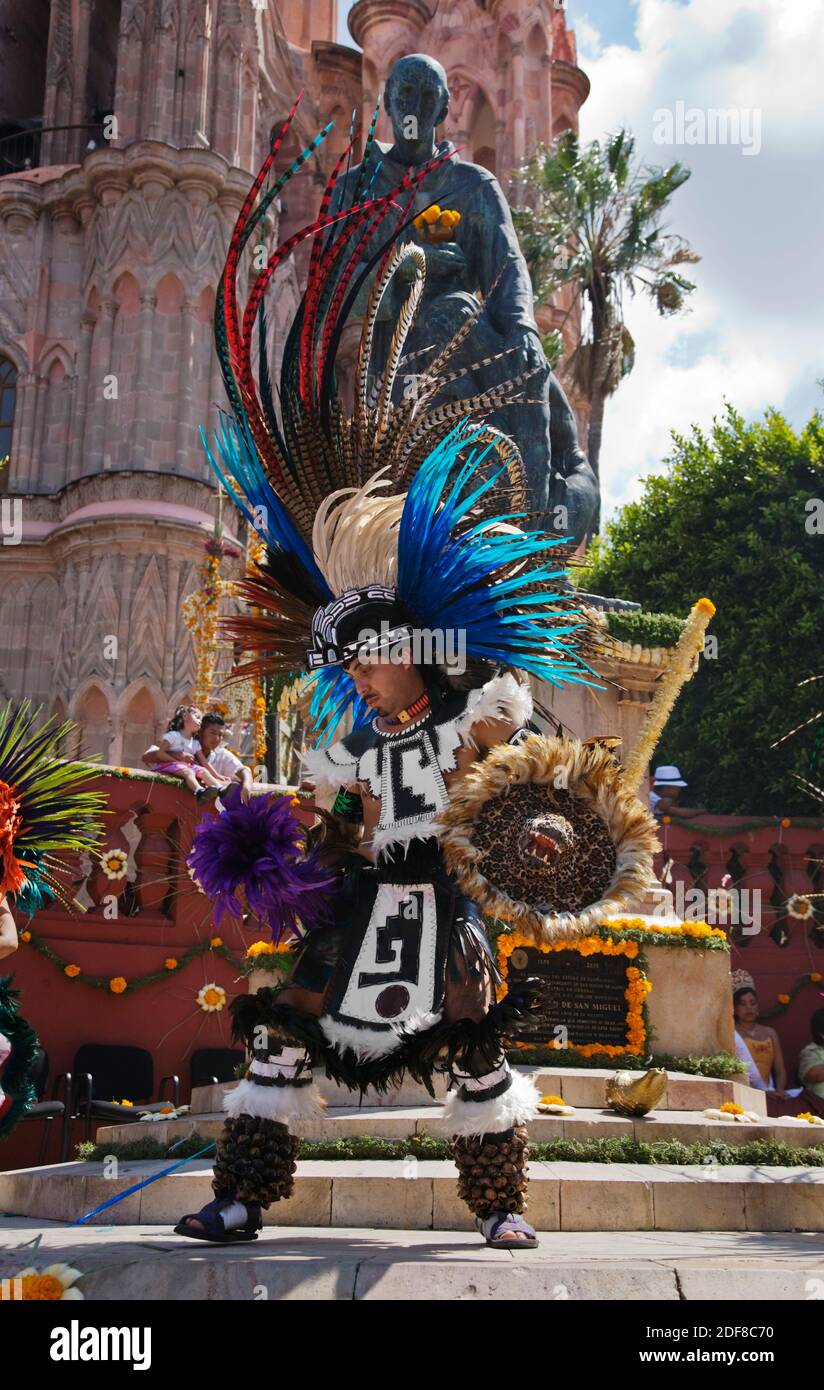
(128, 133)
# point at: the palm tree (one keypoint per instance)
(593, 220)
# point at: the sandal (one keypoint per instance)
(214, 1229)
(499, 1230)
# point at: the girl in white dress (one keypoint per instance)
(183, 754)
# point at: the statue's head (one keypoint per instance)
(416, 98)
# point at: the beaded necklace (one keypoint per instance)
(404, 717)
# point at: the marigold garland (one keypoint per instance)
(118, 984)
(201, 612)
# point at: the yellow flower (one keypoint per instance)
(114, 864)
(71, 970)
(117, 985)
(212, 998)
(171, 963)
(130, 1103)
(706, 605)
(25, 936)
(783, 998)
(799, 906)
(54, 1284)
(215, 942)
(431, 214)
(730, 1108)
(552, 1100)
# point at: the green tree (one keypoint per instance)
(593, 219)
(736, 516)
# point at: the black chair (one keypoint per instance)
(211, 1065)
(49, 1111)
(103, 1071)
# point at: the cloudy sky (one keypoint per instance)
(753, 210)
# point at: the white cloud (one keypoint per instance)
(753, 336)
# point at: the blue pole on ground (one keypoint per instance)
(138, 1185)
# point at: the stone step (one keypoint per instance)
(411, 1195)
(403, 1121)
(579, 1086)
(147, 1263)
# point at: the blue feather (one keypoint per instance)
(451, 582)
(245, 481)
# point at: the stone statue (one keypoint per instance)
(483, 255)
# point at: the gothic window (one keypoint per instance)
(8, 396)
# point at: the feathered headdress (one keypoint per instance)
(44, 814)
(407, 508)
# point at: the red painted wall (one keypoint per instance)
(777, 861)
(163, 1017)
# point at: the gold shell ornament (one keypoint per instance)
(631, 1094)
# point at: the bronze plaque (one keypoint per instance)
(582, 994)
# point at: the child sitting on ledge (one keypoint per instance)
(182, 756)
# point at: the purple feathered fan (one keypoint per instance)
(260, 848)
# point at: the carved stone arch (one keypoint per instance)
(82, 690)
(140, 719)
(198, 21)
(12, 350)
(51, 352)
(167, 15)
(537, 39)
(42, 637)
(91, 707)
(99, 619)
(133, 17)
(181, 696)
(14, 634)
(152, 687)
(170, 291)
(147, 625)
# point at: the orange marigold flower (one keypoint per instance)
(117, 985)
(171, 963)
(783, 998)
(71, 970)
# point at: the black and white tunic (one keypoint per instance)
(397, 920)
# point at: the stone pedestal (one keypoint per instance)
(690, 1005)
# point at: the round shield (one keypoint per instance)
(544, 834)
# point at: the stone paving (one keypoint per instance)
(144, 1263)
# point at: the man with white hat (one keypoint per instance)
(665, 788)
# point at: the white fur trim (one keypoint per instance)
(501, 698)
(401, 836)
(282, 1103)
(366, 1043)
(329, 768)
(514, 1107)
(370, 1043)
(418, 1022)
